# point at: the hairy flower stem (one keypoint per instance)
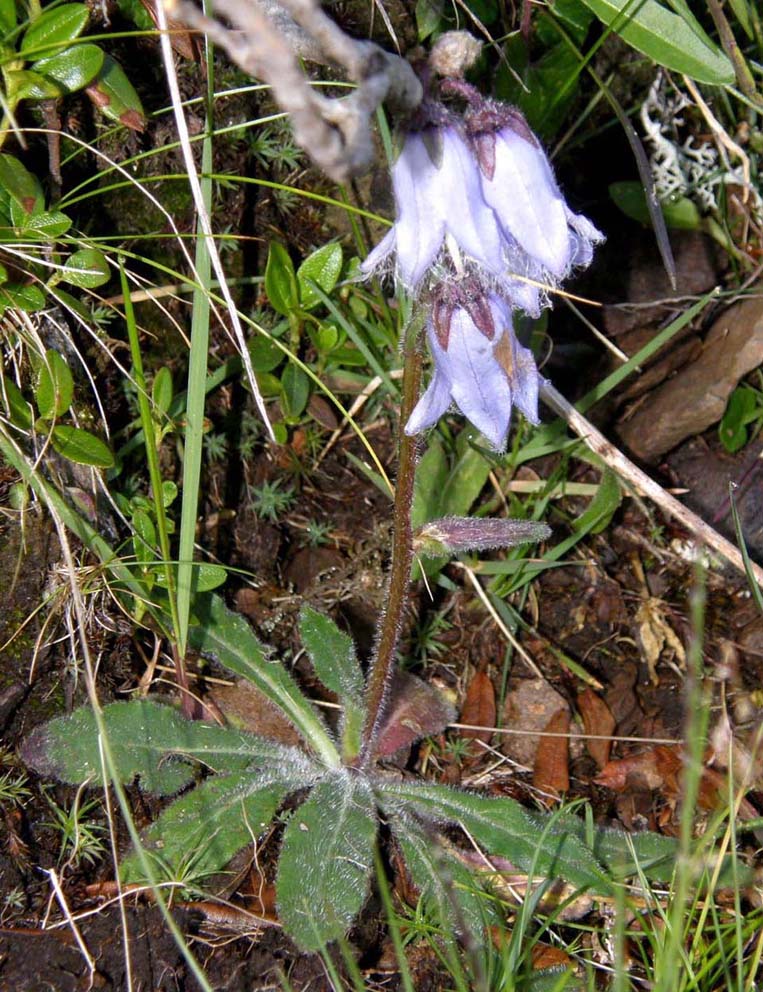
(380, 676)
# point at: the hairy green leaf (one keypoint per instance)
(228, 638)
(444, 880)
(199, 833)
(675, 41)
(326, 860)
(504, 828)
(151, 740)
(332, 654)
(55, 386)
(322, 268)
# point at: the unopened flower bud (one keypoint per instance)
(453, 535)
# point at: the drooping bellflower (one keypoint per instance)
(543, 238)
(481, 226)
(478, 364)
(437, 193)
(485, 182)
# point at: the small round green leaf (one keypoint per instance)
(206, 577)
(264, 353)
(162, 390)
(46, 226)
(681, 214)
(7, 16)
(24, 84)
(280, 280)
(73, 68)
(22, 297)
(18, 411)
(22, 186)
(322, 268)
(55, 386)
(115, 96)
(268, 384)
(295, 391)
(81, 447)
(54, 29)
(169, 493)
(87, 269)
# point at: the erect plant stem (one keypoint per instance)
(380, 676)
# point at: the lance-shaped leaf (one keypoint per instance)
(228, 638)
(216, 819)
(332, 654)
(443, 879)
(326, 860)
(147, 739)
(502, 827)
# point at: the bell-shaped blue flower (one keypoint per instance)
(543, 238)
(437, 186)
(478, 365)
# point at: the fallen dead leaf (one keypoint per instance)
(597, 720)
(479, 708)
(551, 771)
(245, 707)
(415, 710)
(655, 634)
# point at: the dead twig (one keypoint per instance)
(336, 133)
(625, 468)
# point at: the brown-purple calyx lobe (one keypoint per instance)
(465, 295)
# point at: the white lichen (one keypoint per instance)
(682, 165)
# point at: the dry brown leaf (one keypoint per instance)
(655, 634)
(551, 771)
(479, 708)
(639, 771)
(246, 708)
(545, 956)
(597, 720)
(415, 710)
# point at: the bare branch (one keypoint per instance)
(336, 133)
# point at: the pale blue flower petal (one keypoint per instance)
(524, 195)
(583, 237)
(420, 226)
(466, 215)
(431, 406)
(526, 382)
(379, 255)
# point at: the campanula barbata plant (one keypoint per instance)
(482, 230)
